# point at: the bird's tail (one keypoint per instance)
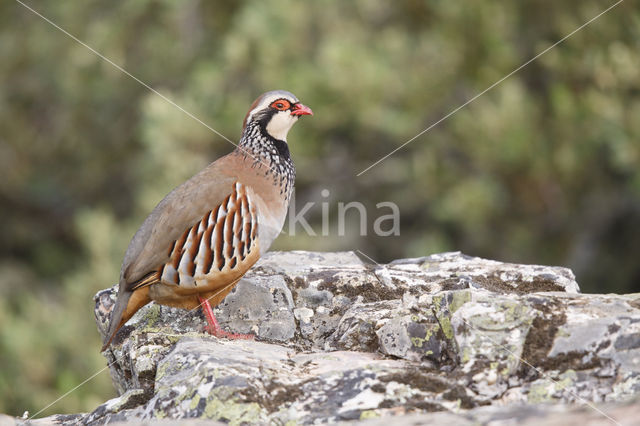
(127, 304)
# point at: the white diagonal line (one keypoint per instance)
(172, 103)
(118, 67)
(382, 266)
(506, 348)
(70, 391)
(127, 73)
(546, 376)
(490, 87)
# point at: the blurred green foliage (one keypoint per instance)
(542, 169)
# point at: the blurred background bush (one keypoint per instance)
(542, 169)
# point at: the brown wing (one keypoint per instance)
(212, 252)
(180, 209)
(188, 212)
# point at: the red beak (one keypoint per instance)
(299, 109)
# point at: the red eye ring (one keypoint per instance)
(281, 104)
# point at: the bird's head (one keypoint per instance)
(275, 112)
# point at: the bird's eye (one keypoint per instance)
(281, 105)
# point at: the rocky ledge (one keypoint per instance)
(447, 338)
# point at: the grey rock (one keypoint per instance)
(416, 337)
(625, 413)
(262, 306)
(446, 338)
(357, 329)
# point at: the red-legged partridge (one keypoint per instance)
(204, 236)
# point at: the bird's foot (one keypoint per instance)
(214, 328)
(220, 333)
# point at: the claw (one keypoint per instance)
(220, 333)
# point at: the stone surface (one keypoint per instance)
(623, 413)
(441, 339)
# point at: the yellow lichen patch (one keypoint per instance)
(152, 315)
(369, 414)
(194, 402)
(566, 379)
(539, 393)
(236, 413)
(458, 298)
(417, 341)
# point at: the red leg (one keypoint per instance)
(214, 328)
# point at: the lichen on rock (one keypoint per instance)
(341, 340)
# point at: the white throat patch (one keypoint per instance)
(280, 124)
